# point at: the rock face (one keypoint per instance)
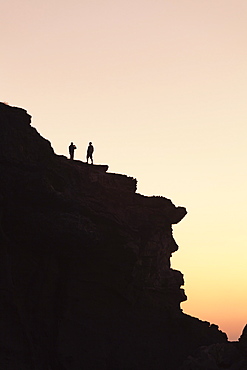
(230, 355)
(216, 357)
(86, 281)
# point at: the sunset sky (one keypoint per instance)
(160, 88)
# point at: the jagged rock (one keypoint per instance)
(86, 281)
(20, 142)
(243, 340)
(215, 357)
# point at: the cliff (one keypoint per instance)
(86, 281)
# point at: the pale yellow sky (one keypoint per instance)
(160, 89)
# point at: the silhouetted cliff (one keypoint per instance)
(85, 272)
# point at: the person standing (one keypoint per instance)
(90, 151)
(72, 148)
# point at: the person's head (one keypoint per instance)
(90, 143)
(71, 142)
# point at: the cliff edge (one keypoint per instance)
(86, 281)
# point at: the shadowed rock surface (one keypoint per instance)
(86, 281)
(230, 355)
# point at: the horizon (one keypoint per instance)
(160, 90)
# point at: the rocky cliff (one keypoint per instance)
(86, 281)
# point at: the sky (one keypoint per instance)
(160, 88)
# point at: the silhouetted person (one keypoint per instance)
(72, 148)
(90, 151)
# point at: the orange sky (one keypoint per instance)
(160, 89)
